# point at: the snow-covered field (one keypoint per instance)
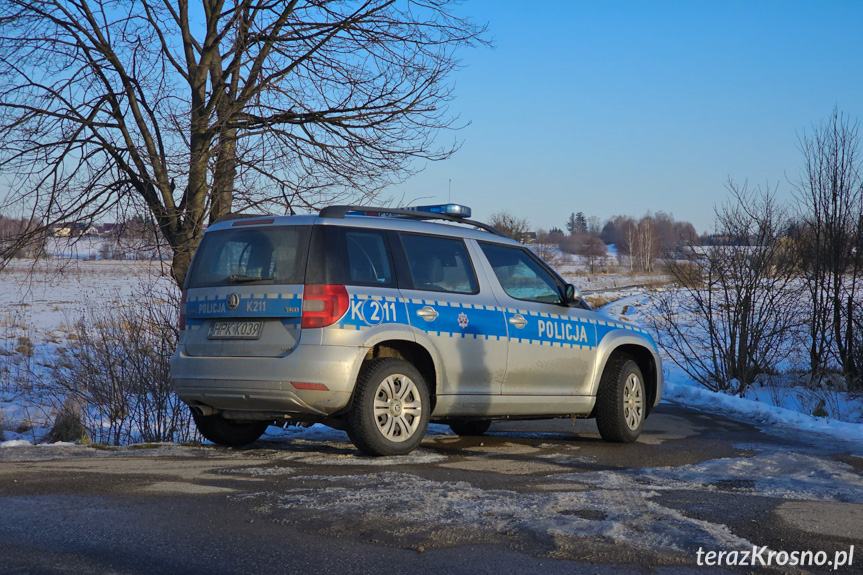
(38, 302)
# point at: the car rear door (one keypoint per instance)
(458, 315)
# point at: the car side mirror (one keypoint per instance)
(571, 294)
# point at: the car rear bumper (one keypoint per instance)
(287, 385)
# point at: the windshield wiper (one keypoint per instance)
(243, 279)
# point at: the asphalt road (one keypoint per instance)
(529, 497)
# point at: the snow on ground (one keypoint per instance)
(83, 247)
(93, 247)
(772, 405)
(403, 500)
(629, 507)
(44, 295)
(767, 416)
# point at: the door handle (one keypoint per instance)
(518, 321)
(428, 313)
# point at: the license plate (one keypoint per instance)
(235, 330)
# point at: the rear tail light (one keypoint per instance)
(183, 311)
(324, 305)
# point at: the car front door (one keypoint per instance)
(550, 344)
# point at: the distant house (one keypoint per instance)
(528, 237)
(73, 230)
(62, 230)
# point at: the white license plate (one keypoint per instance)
(235, 330)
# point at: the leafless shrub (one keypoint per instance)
(592, 249)
(115, 370)
(687, 274)
(545, 247)
(830, 238)
(740, 322)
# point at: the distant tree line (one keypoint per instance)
(640, 243)
(13, 228)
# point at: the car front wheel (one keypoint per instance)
(621, 402)
(390, 410)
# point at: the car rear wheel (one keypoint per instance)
(390, 411)
(621, 401)
(470, 428)
(228, 432)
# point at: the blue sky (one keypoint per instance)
(630, 107)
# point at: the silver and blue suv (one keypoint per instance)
(377, 321)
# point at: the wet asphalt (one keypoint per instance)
(528, 497)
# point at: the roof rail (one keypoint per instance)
(341, 211)
(229, 217)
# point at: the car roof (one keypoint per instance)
(402, 224)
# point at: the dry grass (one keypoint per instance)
(597, 301)
(25, 346)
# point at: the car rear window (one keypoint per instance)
(260, 255)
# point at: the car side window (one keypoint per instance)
(368, 258)
(520, 275)
(439, 264)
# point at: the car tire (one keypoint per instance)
(621, 401)
(227, 432)
(390, 410)
(470, 428)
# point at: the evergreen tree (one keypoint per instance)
(571, 224)
(580, 223)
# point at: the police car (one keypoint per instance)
(380, 320)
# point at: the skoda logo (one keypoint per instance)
(233, 301)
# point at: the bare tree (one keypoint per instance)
(736, 308)
(648, 243)
(830, 202)
(545, 245)
(512, 226)
(194, 109)
(592, 249)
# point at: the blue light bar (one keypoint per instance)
(449, 209)
(455, 210)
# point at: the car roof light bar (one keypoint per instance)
(457, 210)
(413, 213)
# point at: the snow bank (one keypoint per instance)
(761, 414)
(16, 443)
